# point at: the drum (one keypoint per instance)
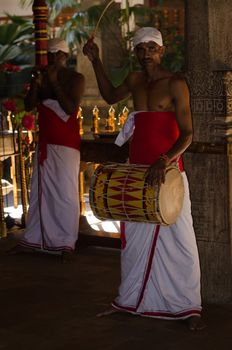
(120, 192)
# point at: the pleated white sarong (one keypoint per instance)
(53, 217)
(160, 273)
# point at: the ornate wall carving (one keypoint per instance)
(208, 179)
(219, 35)
(211, 104)
(210, 174)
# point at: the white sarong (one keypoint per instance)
(53, 217)
(160, 273)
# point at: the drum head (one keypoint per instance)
(171, 196)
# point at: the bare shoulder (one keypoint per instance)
(178, 84)
(76, 76)
(134, 77)
(72, 75)
(79, 75)
(177, 80)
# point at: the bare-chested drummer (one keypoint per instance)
(53, 217)
(160, 273)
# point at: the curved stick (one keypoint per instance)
(100, 18)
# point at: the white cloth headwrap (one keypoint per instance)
(57, 44)
(146, 34)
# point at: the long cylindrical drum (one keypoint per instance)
(120, 192)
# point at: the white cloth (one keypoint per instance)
(127, 130)
(53, 217)
(146, 34)
(55, 107)
(172, 288)
(57, 44)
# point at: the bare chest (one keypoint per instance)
(153, 96)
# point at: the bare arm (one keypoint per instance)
(32, 97)
(179, 93)
(110, 93)
(78, 88)
(68, 100)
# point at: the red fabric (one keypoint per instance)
(155, 133)
(53, 130)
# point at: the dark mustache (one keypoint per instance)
(145, 60)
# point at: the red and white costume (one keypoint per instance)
(160, 273)
(53, 217)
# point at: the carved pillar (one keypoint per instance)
(3, 231)
(40, 12)
(209, 167)
(22, 178)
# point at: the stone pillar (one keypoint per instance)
(209, 164)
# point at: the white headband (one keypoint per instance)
(146, 34)
(57, 44)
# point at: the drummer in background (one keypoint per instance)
(53, 217)
(160, 273)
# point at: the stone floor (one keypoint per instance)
(47, 305)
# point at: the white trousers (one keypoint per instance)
(160, 273)
(53, 217)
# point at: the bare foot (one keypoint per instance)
(18, 249)
(111, 310)
(195, 323)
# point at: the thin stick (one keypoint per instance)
(99, 20)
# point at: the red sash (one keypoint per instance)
(155, 133)
(53, 130)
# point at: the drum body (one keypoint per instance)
(120, 192)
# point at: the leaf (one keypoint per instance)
(8, 33)
(8, 53)
(17, 119)
(119, 74)
(18, 19)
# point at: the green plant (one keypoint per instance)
(174, 56)
(81, 25)
(16, 41)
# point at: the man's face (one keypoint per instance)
(149, 53)
(58, 58)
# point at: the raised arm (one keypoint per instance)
(110, 93)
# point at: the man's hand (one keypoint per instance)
(155, 174)
(36, 76)
(91, 50)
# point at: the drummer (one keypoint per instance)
(160, 273)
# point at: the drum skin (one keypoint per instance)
(120, 192)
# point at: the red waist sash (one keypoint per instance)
(155, 133)
(53, 130)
